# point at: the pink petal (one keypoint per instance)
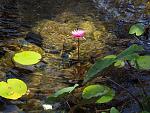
(78, 33)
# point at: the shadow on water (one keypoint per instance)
(19, 17)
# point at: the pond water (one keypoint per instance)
(45, 26)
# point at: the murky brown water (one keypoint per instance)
(45, 26)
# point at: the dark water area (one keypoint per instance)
(43, 25)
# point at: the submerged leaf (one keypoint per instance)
(137, 29)
(27, 57)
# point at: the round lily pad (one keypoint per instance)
(94, 91)
(114, 110)
(137, 29)
(27, 57)
(144, 62)
(12, 89)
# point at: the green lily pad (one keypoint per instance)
(143, 62)
(93, 91)
(137, 29)
(114, 110)
(27, 57)
(107, 97)
(12, 89)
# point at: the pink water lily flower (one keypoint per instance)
(78, 33)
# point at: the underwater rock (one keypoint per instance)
(34, 38)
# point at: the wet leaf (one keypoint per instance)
(130, 52)
(143, 62)
(114, 110)
(101, 64)
(107, 97)
(119, 64)
(61, 93)
(65, 90)
(27, 57)
(93, 91)
(137, 29)
(12, 89)
(98, 67)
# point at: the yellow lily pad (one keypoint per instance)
(27, 57)
(12, 89)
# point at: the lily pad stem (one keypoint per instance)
(78, 70)
(78, 50)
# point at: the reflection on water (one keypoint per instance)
(45, 25)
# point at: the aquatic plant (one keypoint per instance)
(78, 34)
(101, 93)
(98, 93)
(91, 94)
(127, 55)
(13, 89)
(16, 88)
(27, 57)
